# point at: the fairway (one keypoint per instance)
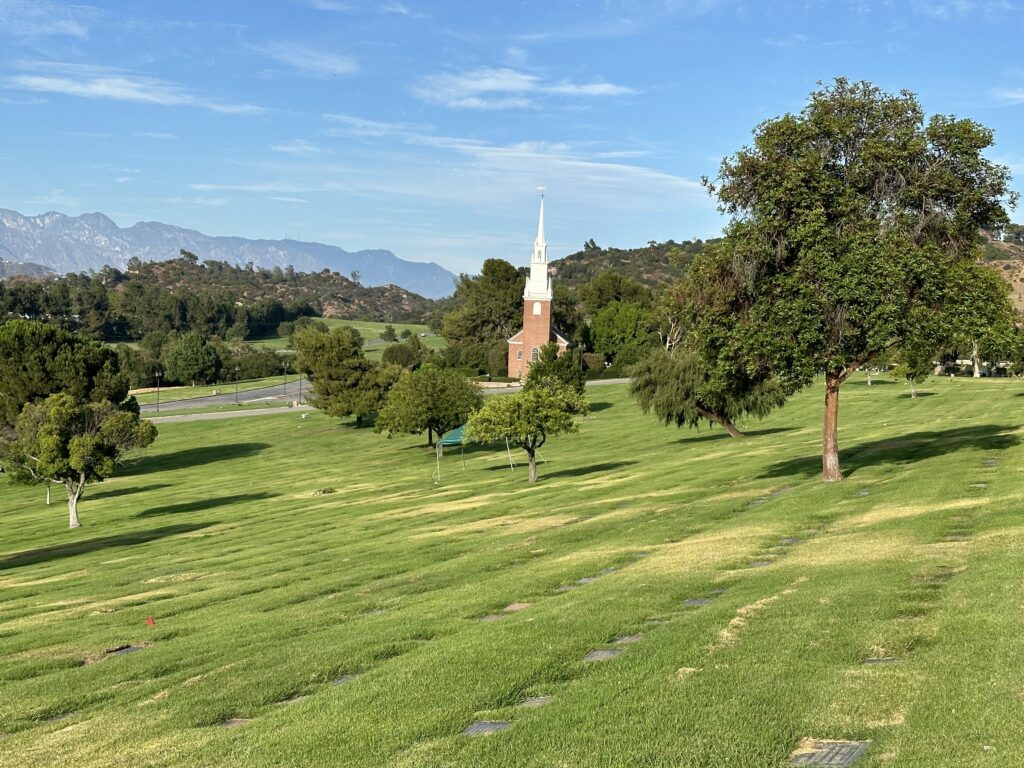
(746, 606)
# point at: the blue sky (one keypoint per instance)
(425, 128)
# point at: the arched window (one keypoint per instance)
(535, 356)
(519, 355)
(536, 307)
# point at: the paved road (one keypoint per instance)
(227, 397)
(182, 417)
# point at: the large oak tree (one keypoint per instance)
(845, 222)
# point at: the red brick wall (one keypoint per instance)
(536, 333)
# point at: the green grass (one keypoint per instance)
(262, 590)
(374, 347)
(173, 394)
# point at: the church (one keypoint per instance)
(524, 348)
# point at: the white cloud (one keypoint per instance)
(124, 179)
(156, 135)
(37, 18)
(297, 147)
(282, 199)
(93, 82)
(311, 60)
(357, 126)
(503, 88)
(1009, 95)
(330, 5)
(792, 40)
(959, 9)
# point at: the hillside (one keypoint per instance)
(652, 265)
(92, 241)
(17, 269)
(330, 293)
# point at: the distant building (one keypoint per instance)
(524, 348)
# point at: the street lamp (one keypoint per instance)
(158, 374)
(237, 369)
(300, 388)
(284, 366)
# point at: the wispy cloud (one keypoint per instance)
(162, 135)
(958, 9)
(337, 6)
(313, 61)
(503, 88)
(1009, 95)
(792, 40)
(58, 199)
(297, 147)
(92, 82)
(37, 18)
(297, 200)
(348, 125)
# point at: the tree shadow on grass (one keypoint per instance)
(203, 504)
(591, 469)
(595, 407)
(908, 396)
(58, 551)
(726, 436)
(192, 457)
(905, 449)
(114, 493)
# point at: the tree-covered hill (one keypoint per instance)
(652, 265)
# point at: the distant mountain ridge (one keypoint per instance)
(91, 241)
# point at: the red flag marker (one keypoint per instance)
(150, 622)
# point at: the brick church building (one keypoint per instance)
(524, 347)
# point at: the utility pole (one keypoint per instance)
(158, 374)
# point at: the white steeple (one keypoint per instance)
(538, 286)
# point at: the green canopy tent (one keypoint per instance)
(455, 437)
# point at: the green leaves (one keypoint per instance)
(428, 398)
(528, 417)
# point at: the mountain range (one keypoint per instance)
(91, 241)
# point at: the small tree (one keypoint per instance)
(405, 334)
(192, 358)
(72, 442)
(913, 364)
(677, 386)
(388, 334)
(528, 418)
(429, 399)
(566, 368)
(345, 383)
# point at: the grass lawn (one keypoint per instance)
(369, 602)
(371, 332)
(173, 394)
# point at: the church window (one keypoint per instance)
(536, 307)
(519, 355)
(536, 355)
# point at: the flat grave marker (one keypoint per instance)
(485, 727)
(603, 654)
(628, 639)
(235, 722)
(838, 754)
(513, 607)
(534, 701)
(697, 602)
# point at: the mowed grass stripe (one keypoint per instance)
(262, 592)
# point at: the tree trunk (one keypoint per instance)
(532, 453)
(830, 471)
(869, 377)
(438, 448)
(974, 359)
(722, 421)
(430, 437)
(359, 420)
(74, 495)
(47, 494)
(913, 389)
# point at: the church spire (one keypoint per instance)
(539, 284)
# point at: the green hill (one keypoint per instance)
(742, 605)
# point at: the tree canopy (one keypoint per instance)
(528, 417)
(429, 399)
(40, 359)
(344, 381)
(72, 442)
(845, 223)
